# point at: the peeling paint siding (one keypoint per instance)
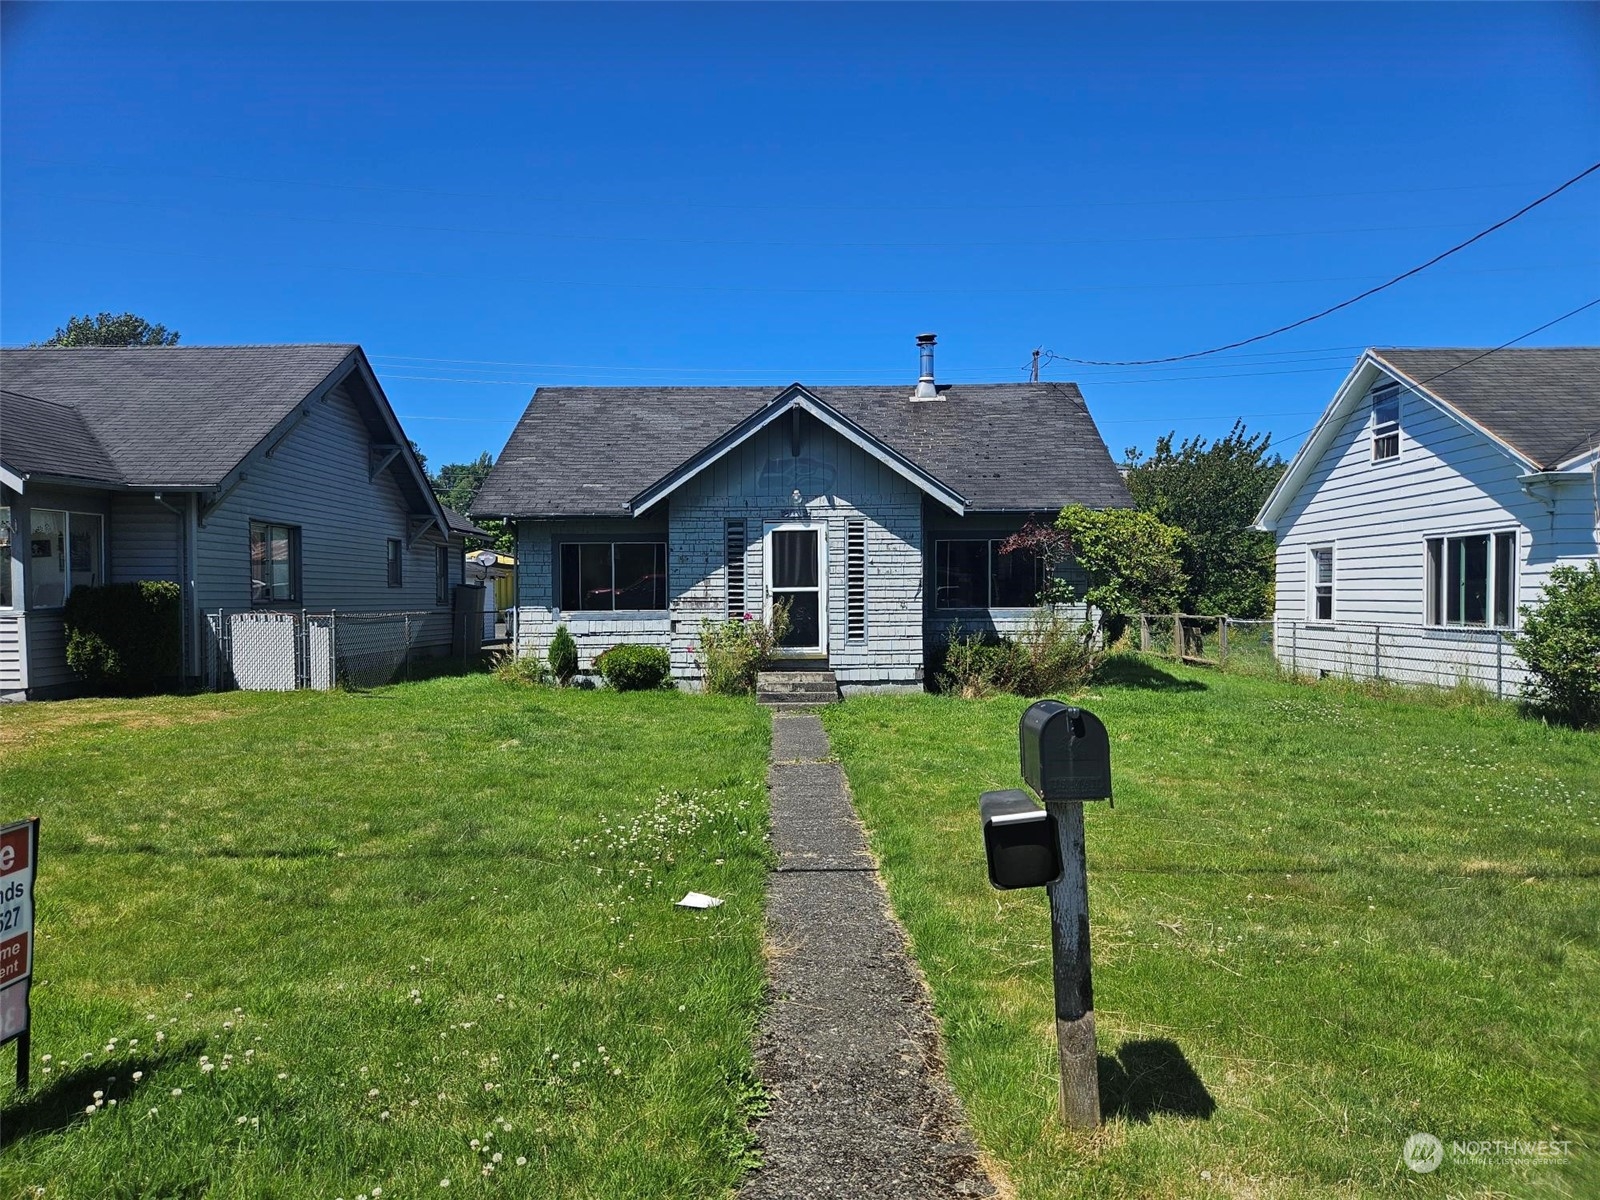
(317, 479)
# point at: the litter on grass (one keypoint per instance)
(698, 900)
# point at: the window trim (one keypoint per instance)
(1312, 586)
(1435, 601)
(296, 595)
(558, 580)
(991, 541)
(1387, 433)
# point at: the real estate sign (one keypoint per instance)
(19, 857)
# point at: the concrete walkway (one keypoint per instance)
(848, 1050)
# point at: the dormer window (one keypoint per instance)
(1386, 422)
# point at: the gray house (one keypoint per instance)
(262, 479)
(875, 513)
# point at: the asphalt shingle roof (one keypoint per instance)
(587, 451)
(160, 415)
(1543, 401)
(41, 437)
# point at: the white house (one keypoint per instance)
(1429, 504)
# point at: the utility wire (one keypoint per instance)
(1372, 291)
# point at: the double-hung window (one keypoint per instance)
(1472, 580)
(441, 575)
(972, 573)
(613, 576)
(396, 562)
(1386, 423)
(274, 563)
(1320, 597)
(66, 550)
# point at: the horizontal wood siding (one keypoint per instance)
(146, 539)
(1401, 654)
(1448, 479)
(13, 653)
(317, 479)
(47, 653)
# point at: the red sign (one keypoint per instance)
(19, 845)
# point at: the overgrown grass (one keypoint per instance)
(1322, 921)
(391, 923)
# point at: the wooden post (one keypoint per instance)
(1069, 938)
(1177, 636)
(1144, 632)
(1222, 640)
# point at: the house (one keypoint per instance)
(874, 513)
(265, 480)
(1430, 504)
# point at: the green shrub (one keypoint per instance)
(976, 666)
(630, 667)
(526, 669)
(125, 637)
(733, 652)
(1051, 654)
(563, 656)
(1560, 643)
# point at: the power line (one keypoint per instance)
(1372, 291)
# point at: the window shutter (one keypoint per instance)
(856, 581)
(735, 542)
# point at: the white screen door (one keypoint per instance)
(796, 574)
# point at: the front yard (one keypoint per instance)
(335, 945)
(1322, 922)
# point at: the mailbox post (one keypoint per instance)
(1066, 760)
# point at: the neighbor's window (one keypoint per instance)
(274, 563)
(1386, 423)
(1472, 580)
(1322, 583)
(396, 561)
(65, 550)
(441, 575)
(613, 576)
(972, 573)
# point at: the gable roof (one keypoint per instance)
(593, 451)
(1544, 403)
(41, 437)
(1541, 406)
(176, 416)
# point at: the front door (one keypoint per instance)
(797, 574)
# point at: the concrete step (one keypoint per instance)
(797, 688)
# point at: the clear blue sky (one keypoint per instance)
(492, 198)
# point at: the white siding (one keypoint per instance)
(1448, 479)
(317, 479)
(13, 653)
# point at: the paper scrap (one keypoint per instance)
(698, 900)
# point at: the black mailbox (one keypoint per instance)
(1019, 839)
(1065, 752)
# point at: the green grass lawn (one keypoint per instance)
(335, 945)
(1322, 921)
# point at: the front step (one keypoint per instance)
(797, 689)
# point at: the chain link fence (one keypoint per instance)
(283, 651)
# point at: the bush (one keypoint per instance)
(630, 667)
(125, 637)
(563, 656)
(510, 667)
(1560, 643)
(733, 652)
(976, 666)
(1052, 654)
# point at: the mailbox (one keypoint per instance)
(1019, 840)
(1065, 752)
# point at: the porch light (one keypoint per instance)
(797, 507)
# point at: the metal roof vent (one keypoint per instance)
(925, 388)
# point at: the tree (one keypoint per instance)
(1134, 562)
(106, 330)
(1212, 492)
(457, 485)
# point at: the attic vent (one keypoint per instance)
(735, 549)
(855, 563)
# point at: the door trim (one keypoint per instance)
(820, 528)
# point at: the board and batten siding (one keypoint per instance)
(1448, 479)
(316, 478)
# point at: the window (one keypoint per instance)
(855, 576)
(66, 550)
(274, 563)
(396, 562)
(1386, 423)
(5, 557)
(441, 575)
(1472, 580)
(972, 573)
(1322, 583)
(613, 576)
(734, 536)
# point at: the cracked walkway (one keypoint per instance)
(848, 1049)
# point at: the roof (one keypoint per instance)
(1541, 406)
(41, 437)
(1543, 402)
(590, 451)
(460, 524)
(161, 415)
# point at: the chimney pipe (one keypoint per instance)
(925, 387)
